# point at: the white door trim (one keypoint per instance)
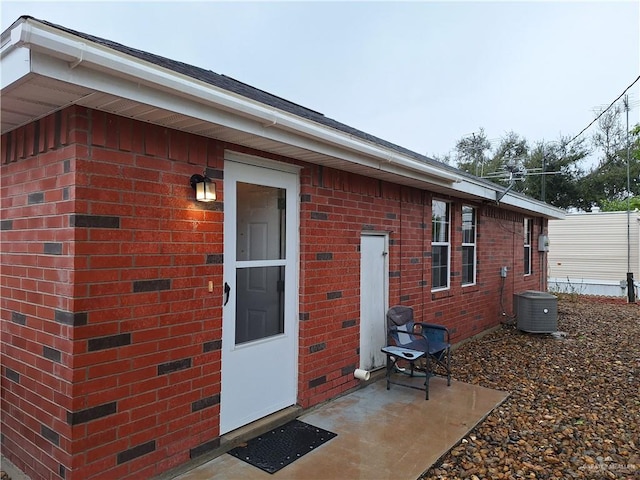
(236, 407)
(247, 159)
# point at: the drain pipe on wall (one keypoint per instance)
(507, 318)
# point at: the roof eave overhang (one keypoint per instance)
(33, 48)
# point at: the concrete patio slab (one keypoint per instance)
(381, 434)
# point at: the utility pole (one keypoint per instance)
(543, 194)
(631, 294)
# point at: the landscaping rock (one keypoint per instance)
(574, 404)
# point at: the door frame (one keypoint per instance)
(293, 260)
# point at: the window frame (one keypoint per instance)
(473, 245)
(528, 239)
(446, 244)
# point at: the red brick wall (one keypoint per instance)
(110, 338)
(336, 208)
(111, 360)
(37, 294)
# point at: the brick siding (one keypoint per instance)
(110, 337)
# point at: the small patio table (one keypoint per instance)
(394, 354)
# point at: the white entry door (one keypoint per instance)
(374, 274)
(259, 325)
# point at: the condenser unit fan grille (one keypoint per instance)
(536, 312)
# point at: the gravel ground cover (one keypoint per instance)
(574, 404)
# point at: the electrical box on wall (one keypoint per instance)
(543, 243)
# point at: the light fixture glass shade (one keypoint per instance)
(204, 188)
(205, 191)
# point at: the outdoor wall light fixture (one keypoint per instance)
(204, 187)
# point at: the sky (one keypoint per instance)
(420, 74)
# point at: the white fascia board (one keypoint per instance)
(68, 59)
(483, 191)
(542, 208)
(78, 53)
(14, 65)
(55, 54)
(45, 65)
(478, 190)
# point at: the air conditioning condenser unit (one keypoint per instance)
(536, 312)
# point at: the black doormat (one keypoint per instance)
(281, 446)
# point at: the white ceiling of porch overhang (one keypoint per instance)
(36, 96)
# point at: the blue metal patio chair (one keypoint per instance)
(416, 342)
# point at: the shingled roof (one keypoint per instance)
(220, 106)
(232, 85)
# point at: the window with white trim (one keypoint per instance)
(468, 245)
(440, 246)
(528, 226)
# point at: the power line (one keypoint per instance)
(604, 111)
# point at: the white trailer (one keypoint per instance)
(591, 253)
